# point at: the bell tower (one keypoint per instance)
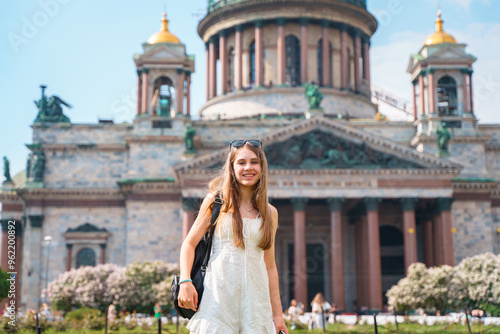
(164, 76)
(441, 73)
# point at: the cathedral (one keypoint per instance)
(360, 197)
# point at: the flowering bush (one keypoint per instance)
(131, 288)
(474, 283)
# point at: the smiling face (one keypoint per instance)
(247, 169)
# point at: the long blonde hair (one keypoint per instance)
(227, 185)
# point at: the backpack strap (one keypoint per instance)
(215, 215)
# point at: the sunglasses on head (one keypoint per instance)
(240, 142)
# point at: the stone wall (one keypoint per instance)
(474, 229)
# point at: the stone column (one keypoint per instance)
(300, 250)
(465, 90)
(189, 205)
(421, 92)
(139, 92)
(238, 58)
(304, 46)
(337, 252)
(145, 84)
(259, 54)
(432, 92)
(362, 278)
(409, 231)
(444, 205)
(69, 249)
(180, 92)
(4, 243)
(208, 71)
(325, 55)
(281, 52)
(373, 247)
(428, 243)
(357, 58)
(470, 93)
(345, 57)
(438, 246)
(366, 65)
(413, 85)
(103, 253)
(188, 98)
(223, 61)
(32, 280)
(212, 68)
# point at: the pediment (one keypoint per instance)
(323, 144)
(449, 52)
(164, 52)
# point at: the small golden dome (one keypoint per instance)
(440, 36)
(163, 36)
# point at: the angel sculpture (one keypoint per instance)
(50, 109)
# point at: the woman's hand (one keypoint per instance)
(280, 326)
(188, 297)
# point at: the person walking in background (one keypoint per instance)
(320, 308)
(241, 289)
(294, 312)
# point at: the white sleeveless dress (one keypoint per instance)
(236, 296)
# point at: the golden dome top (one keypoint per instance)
(440, 36)
(163, 36)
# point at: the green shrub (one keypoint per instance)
(80, 313)
(5, 327)
(63, 325)
(93, 321)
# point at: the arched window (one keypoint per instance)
(85, 257)
(320, 63)
(162, 96)
(447, 96)
(292, 60)
(230, 72)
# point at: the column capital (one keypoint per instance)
(356, 33)
(466, 71)
(18, 226)
(69, 246)
(36, 220)
(325, 23)
(408, 203)
(179, 70)
(212, 39)
(335, 203)
(188, 73)
(299, 203)
(238, 27)
(139, 71)
(372, 203)
(431, 70)
(422, 73)
(145, 70)
(444, 203)
(343, 27)
(189, 203)
(303, 21)
(102, 246)
(258, 23)
(365, 38)
(222, 33)
(281, 21)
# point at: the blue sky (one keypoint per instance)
(83, 51)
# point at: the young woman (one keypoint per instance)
(241, 285)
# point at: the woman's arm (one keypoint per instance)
(188, 297)
(272, 273)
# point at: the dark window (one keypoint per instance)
(393, 265)
(252, 62)
(447, 96)
(292, 60)
(390, 236)
(85, 257)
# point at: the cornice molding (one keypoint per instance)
(246, 10)
(82, 147)
(154, 139)
(454, 139)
